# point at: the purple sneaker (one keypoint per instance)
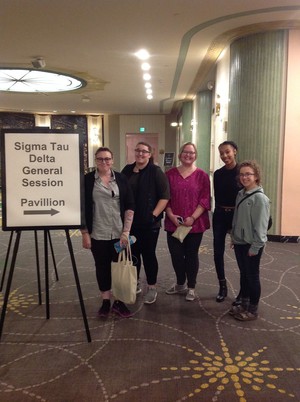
(120, 309)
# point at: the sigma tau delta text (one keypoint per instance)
(44, 158)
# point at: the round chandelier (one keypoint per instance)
(35, 81)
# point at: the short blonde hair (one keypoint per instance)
(188, 143)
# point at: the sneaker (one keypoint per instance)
(236, 310)
(138, 288)
(190, 296)
(150, 296)
(238, 300)
(104, 309)
(246, 316)
(120, 309)
(176, 289)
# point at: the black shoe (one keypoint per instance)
(104, 309)
(222, 291)
(120, 309)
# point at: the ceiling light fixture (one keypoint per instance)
(35, 81)
(85, 99)
(146, 77)
(145, 66)
(142, 54)
(148, 85)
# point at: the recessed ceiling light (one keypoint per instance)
(147, 77)
(30, 80)
(145, 66)
(149, 97)
(149, 91)
(142, 54)
(148, 85)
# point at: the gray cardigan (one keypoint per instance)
(250, 220)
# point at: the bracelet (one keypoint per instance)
(85, 232)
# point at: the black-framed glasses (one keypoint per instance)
(188, 152)
(106, 160)
(142, 151)
(247, 174)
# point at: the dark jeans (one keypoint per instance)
(185, 257)
(104, 253)
(144, 249)
(222, 223)
(249, 270)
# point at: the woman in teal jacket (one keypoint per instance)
(249, 235)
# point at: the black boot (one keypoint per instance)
(222, 291)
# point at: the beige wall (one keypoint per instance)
(290, 224)
(154, 124)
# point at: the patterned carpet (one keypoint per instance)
(173, 350)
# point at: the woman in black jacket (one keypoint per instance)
(151, 192)
(109, 210)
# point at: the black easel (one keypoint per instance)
(11, 272)
(37, 262)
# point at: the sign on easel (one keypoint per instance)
(42, 179)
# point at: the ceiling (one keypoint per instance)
(96, 40)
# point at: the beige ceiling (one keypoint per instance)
(96, 40)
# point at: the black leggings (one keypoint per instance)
(249, 270)
(222, 223)
(144, 248)
(185, 257)
(104, 253)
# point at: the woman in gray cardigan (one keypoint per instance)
(249, 235)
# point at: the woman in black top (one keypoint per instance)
(151, 191)
(109, 209)
(225, 191)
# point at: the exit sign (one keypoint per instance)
(142, 129)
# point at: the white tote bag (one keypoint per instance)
(124, 277)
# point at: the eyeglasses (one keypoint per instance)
(246, 174)
(141, 151)
(188, 152)
(106, 160)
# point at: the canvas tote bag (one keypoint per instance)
(124, 277)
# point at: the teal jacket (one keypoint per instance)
(250, 220)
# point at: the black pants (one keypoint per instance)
(249, 270)
(185, 257)
(144, 249)
(222, 223)
(104, 253)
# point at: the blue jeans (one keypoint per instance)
(185, 257)
(249, 271)
(222, 223)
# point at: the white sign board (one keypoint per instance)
(42, 180)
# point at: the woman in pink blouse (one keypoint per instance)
(190, 200)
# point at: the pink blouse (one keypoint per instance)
(186, 195)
